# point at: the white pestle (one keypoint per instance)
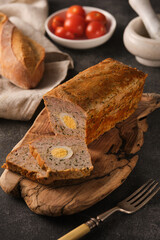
(148, 16)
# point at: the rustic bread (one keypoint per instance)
(21, 59)
(21, 161)
(95, 100)
(64, 157)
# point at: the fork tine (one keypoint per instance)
(138, 190)
(134, 199)
(138, 206)
(143, 196)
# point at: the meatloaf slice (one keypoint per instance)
(95, 100)
(21, 161)
(64, 157)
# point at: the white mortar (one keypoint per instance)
(137, 42)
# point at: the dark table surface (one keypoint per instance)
(18, 222)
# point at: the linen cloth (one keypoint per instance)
(29, 16)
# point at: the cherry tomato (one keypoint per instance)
(75, 24)
(63, 33)
(75, 10)
(95, 29)
(60, 32)
(69, 35)
(57, 21)
(95, 16)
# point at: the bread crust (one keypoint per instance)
(18, 55)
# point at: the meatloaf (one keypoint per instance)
(51, 158)
(63, 157)
(21, 161)
(95, 100)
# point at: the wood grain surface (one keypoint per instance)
(113, 157)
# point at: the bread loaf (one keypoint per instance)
(95, 100)
(21, 59)
(64, 157)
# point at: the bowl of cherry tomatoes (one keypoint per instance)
(80, 27)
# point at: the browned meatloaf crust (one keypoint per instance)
(95, 100)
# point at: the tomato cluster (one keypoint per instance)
(79, 25)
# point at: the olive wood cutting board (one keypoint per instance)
(113, 156)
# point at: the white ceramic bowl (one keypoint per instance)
(85, 43)
(137, 42)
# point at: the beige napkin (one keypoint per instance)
(20, 104)
(33, 12)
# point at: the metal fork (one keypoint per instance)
(129, 205)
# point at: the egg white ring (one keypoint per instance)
(69, 150)
(61, 115)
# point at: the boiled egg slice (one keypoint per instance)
(68, 120)
(61, 152)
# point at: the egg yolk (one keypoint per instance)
(69, 122)
(59, 152)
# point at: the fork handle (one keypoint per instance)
(82, 230)
(76, 233)
(85, 228)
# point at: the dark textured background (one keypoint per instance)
(18, 222)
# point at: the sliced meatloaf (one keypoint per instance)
(63, 157)
(21, 161)
(95, 100)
